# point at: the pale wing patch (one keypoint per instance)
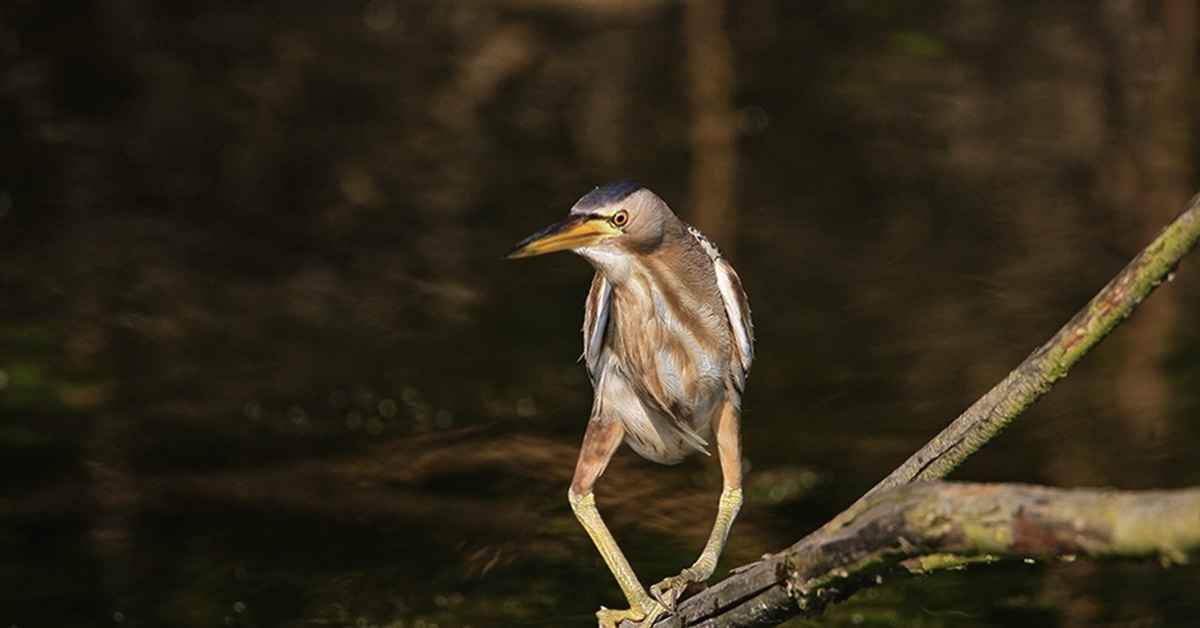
(737, 308)
(595, 324)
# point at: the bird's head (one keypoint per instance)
(613, 221)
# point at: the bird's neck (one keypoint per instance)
(613, 265)
(616, 265)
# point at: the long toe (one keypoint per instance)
(644, 617)
(668, 591)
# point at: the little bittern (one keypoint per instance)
(668, 342)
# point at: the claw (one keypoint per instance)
(653, 616)
(668, 591)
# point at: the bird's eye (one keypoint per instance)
(620, 218)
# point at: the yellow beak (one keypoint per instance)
(573, 232)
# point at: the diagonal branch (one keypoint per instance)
(1051, 361)
(928, 526)
(773, 589)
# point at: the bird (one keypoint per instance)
(668, 343)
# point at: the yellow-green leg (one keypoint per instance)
(668, 591)
(599, 443)
(729, 449)
(641, 605)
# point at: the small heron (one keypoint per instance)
(668, 342)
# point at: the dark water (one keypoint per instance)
(261, 364)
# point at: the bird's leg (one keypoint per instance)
(600, 442)
(729, 449)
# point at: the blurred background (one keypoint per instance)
(261, 364)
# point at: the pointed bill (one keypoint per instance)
(573, 232)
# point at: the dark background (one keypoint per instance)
(261, 364)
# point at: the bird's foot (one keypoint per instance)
(644, 617)
(668, 591)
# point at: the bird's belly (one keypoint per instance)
(666, 397)
(657, 435)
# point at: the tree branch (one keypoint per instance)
(1051, 361)
(892, 522)
(928, 526)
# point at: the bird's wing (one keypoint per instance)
(737, 308)
(595, 325)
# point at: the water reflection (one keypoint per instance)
(262, 366)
